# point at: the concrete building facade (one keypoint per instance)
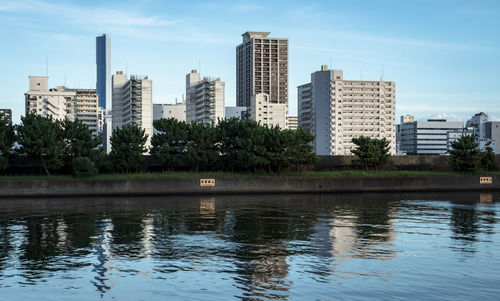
(431, 137)
(293, 122)
(133, 102)
(236, 112)
(177, 111)
(492, 133)
(267, 113)
(204, 99)
(7, 114)
(261, 67)
(335, 110)
(61, 103)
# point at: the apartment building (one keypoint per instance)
(7, 114)
(267, 113)
(261, 67)
(293, 122)
(236, 112)
(204, 99)
(335, 110)
(61, 102)
(133, 102)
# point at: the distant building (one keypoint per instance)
(236, 112)
(103, 63)
(492, 133)
(335, 111)
(61, 102)
(7, 114)
(204, 99)
(404, 119)
(477, 122)
(407, 118)
(261, 67)
(430, 137)
(133, 102)
(266, 113)
(292, 122)
(177, 111)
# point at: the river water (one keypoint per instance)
(260, 247)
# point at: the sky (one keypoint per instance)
(443, 55)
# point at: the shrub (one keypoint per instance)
(83, 167)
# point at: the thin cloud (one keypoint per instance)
(246, 7)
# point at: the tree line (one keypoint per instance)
(231, 145)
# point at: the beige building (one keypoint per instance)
(293, 122)
(204, 99)
(132, 102)
(336, 110)
(177, 111)
(61, 103)
(261, 67)
(267, 113)
(407, 118)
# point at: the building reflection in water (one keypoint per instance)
(103, 256)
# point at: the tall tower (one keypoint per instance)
(261, 67)
(103, 62)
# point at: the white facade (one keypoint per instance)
(292, 122)
(177, 111)
(267, 113)
(133, 102)
(236, 112)
(204, 99)
(335, 110)
(63, 103)
(430, 137)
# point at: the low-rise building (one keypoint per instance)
(267, 113)
(492, 134)
(177, 111)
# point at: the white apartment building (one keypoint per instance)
(204, 99)
(177, 111)
(335, 110)
(261, 67)
(63, 103)
(267, 113)
(133, 102)
(293, 122)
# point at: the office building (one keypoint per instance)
(492, 133)
(261, 67)
(477, 123)
(431, 137)
(63, 103)
(103, 63)
(293, 122)
(236, 112)
(335, 111)
(267, 113)
(133, 102)
(204, 99)
(177, 111)
(7, 114)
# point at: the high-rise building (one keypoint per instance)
(267, 113)
(61, 103)
(103, 62)
(204, 99)
(335, 110)
(293, 122)
(7, 114)
(261, 67)
(133, 102)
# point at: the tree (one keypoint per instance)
(42, 138)
(370, 152)
(488, 161)
(128, 145)
(464, 155)
(7, 138)
(202, 151)
(300, 150)
(169, 144)
(81, 142)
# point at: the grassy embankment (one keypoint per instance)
(309, 174)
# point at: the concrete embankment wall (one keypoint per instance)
(264, 185)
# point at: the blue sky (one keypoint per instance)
(444, 55)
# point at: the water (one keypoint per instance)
(320, 247)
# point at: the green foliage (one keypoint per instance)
(464, 155)
(370, 152)
(202, 151)
(7, 138)
(81, 142)
(488, 161)
(128, 145)
(300, 149)
(169, 144)
(42, 138)
(83, 167)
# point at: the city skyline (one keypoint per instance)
(443, 67)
